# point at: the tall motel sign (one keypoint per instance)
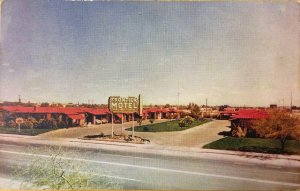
(117, 104)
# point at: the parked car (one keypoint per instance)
(101, 121)
(104, 121)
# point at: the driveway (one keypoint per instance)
(78, 132)
(194, 137)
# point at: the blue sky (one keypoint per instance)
(237, 53)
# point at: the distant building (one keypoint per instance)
(273, 106)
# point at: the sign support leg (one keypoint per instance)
(19, 127)
(112, 125)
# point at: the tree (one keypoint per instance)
(195, 110)
(280, 125)
(45, 104)
(167, 106)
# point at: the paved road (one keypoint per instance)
(137, 171)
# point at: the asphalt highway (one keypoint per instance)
(136, 171)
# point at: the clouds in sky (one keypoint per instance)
(229, 52)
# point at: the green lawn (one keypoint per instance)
(32, 132)
(254, 145)
(165, 126)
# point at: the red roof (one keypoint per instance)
(229, 112)
(119, 116)
(152, 110)
(18, 109)
(64, 110)
(71, 111)
(94, 111)
(76, 116)
(251, 114)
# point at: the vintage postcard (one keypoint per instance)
(149, 95)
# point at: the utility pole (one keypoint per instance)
(19, 98)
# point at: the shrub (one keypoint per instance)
(33, 121)
(151, 121)
(146, 128)
(59, 171)
(46, 123)
(186, 122)
(12, 124)
(62, 124)
(139, 121)
(27, 125)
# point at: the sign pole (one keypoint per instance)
(132, 125)
(19, 121)
(112, 124)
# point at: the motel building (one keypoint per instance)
(70, 116)
(228, 113)
(81, 116)
(162, 113)
(243, 118)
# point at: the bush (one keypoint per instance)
(33, 121)
(56, 173)
(146, 128)
(151, 121)
(186, 122)
(62, 124)
(139, 121)
(27, 125)
(12, 124)
(46, 123)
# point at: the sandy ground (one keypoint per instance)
(193, 137)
